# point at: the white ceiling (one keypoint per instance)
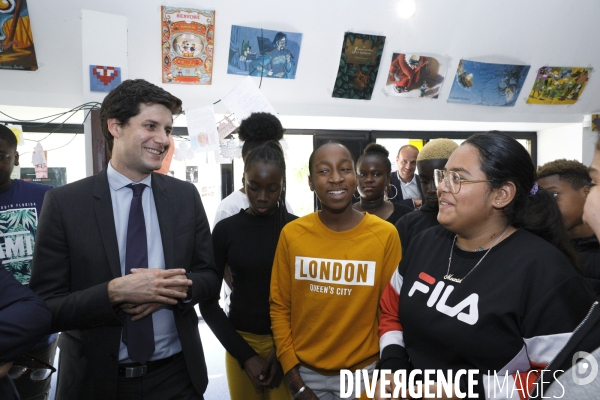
(534, 32)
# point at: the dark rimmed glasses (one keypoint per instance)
(452, 180)
(35, 374)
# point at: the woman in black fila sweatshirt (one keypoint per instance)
(496, 290)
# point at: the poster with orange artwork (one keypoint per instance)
(187, 45)
(16, 40)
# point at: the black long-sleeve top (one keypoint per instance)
(410, 225)
(245, 243)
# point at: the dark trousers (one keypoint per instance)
(28, 389)
(170, 381)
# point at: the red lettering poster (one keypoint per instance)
(187, 45)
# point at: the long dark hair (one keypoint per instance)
(503, 159)
(271, 153)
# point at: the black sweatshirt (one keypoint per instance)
(245, 243)
(414, 223)
(512, 313)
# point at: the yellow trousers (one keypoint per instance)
(240, 384)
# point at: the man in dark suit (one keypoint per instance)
(406, 184)
(122, 257)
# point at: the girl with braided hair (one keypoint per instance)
(246, 243)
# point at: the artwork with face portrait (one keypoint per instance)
(16, 40)
(187, 45)
(263, 52)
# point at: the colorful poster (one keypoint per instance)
(263, 52)
(16, 40)
(558, 85)
(104, 79)
(359, 64)
(487, 84)
(187, 45)
(413, 75)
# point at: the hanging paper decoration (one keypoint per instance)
(104, 79)
(359, 64)
(183, 152)
(263, 52)
(187, 45)
(487, 84)
(413, 75)
(16, 40)
(558, 85)
(202, 129)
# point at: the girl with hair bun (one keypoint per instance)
(494, 288)
(254, 131)
(374, 171)
(245, 245)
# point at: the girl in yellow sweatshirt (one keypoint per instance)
(328, 275)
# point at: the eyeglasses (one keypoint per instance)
(451, 179)
(36, 374)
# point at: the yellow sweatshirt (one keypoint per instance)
(325, 291)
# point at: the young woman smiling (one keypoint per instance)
(329, 272)
(494, 288)
(246, 243)
(374, 171)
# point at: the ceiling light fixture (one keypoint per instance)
(407, 8)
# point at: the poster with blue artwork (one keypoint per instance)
(487, 84)
(263, 52)
(104, 79)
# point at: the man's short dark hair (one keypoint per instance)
(571, 171)
(123, 103)
(8, 136)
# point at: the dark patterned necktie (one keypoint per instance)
(137, 335)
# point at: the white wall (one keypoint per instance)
(589, 145)
(562, 142)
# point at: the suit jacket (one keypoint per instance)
(76, 255)
(399, 199)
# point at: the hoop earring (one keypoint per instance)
(354, 196)
(393, 197)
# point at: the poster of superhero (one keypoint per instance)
(263, 52)
(558, 85)
(16, 40)
(414, 75)
(487, 84)
(187, 45)
(359, 64)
